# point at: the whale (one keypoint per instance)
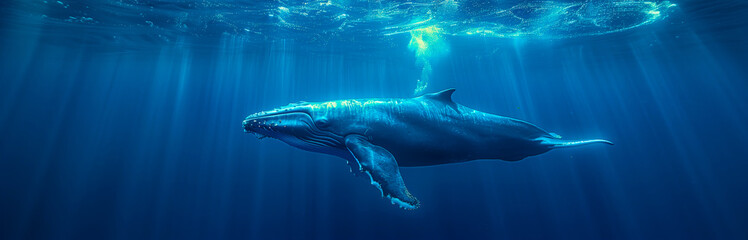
(377, 136)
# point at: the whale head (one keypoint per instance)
(298, 125)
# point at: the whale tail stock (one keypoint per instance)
(558, 143)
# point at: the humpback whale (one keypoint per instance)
(378, 136)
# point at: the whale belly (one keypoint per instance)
(415, 148)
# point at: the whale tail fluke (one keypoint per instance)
(557, 143)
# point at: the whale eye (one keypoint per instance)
(322, 122)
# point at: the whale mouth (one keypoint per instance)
(262, 125)
(264, 122)
(293, 126)
(253, 127)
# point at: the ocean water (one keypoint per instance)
(120, 119)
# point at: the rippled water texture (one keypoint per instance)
(347, 20)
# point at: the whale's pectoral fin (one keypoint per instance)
(556, 142)
(383, 170)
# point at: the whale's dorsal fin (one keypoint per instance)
(444, 96)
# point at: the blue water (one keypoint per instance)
(121, 119)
